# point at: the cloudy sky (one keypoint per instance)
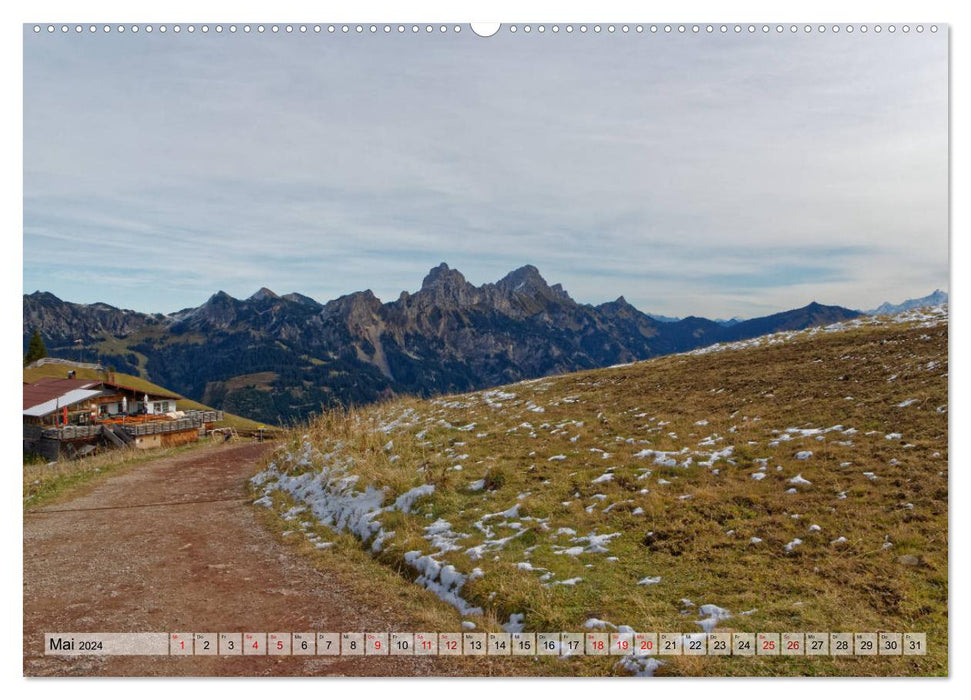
(694, 174)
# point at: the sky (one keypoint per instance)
(712, 175)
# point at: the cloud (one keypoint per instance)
(705, 174)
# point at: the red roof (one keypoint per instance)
(50, 388)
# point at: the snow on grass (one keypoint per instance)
(713, 457)
(444, 581)
(567, 582)
(516, 623)
(527, 566)
(616, 504)
(458, 510)
(406, 418)
(642, 666)
(442, 537)
(661, 458)
(495, 397)
(713, 615)
(333, 500)
(595, 544)
(406, 501)
(595, 623)
(492, 545)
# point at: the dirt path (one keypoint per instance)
(173, 545)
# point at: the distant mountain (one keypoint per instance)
(283, 357)
(61, 323)
(664, 319)
(935, 298)
(719, 321)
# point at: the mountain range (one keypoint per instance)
(281, 358)
(935, 298)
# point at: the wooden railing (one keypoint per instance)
(72, 432)
(144, 425)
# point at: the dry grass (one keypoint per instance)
(693, 531)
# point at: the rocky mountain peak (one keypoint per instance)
(441, 277)
(219, 311)
(356, 303)
(525, 279)
(558, 291)
(303, 299)
(445, 287)
(219, 297)
(263, 294)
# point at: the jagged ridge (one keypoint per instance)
(278, 357)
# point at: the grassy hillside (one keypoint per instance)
(32, 374)
(798, 482)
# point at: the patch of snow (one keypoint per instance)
(641, 666)
(714, 615)
(405, 501)
(444, 581)
(595, 623)
(515, 623)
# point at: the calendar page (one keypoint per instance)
(517, 349)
